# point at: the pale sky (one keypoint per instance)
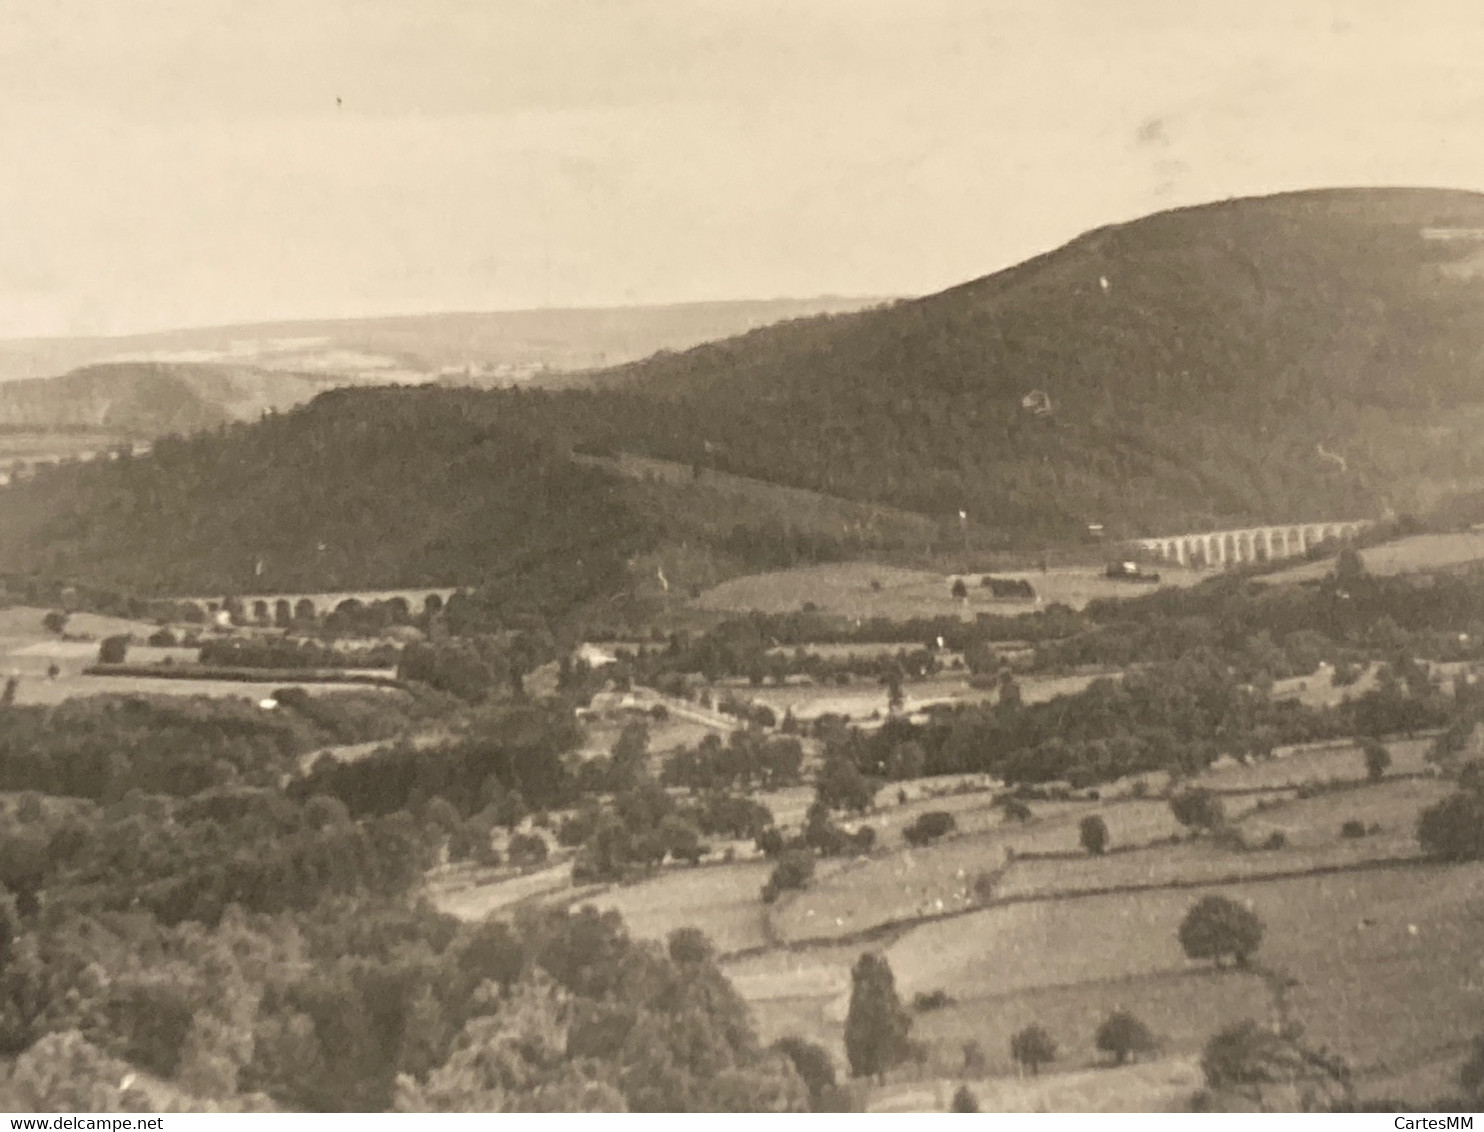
(172, 163)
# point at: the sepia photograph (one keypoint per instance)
(741, 556)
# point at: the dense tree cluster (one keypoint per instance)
(364, 1005)
(1176, 717)
(1271, 632)
(1453, 829)
(515, 750)
(747, 759)
(290, 652)
(100, 747)
(473, 670)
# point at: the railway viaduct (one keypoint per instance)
(1249, 544)
(267, 609)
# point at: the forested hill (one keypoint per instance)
(1195, 363)
(406, 486)
(1306, 356)
(360, 488)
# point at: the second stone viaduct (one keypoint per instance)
(1249, 544)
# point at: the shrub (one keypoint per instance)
(28, 808)
(794, 871)
(1197, 808)
(1093, 834)
(1124, 1036)
(1353, 828)
(576, 829)
(729, 815)
(527, 849)
(1229, 837)
(1276, 840)
(814, 1066)
(113, 650)
(1216, 927)
(975, 1060)
(929, 827)
(924, 1001)
(1453, 829)
(1377, 759)
(681, 839)
(769, 842)
(1033, 1047)
(1250, 1054)
(689, 945)
(964, 1100)
(1016, 810)
(154, 1020)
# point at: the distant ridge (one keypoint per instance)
(493, 346)
(147, 399)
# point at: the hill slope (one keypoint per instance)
(1308, 356)
(374, 488)
(1196, 361)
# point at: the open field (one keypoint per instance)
(1403, 936)
(1310, 827)
(45, 691)
(846, 589)
(905, 883)
(1404, 556)
(1294, 767)
(788, 805)
(859, 699)
(1193, 862)
(721, 900)
(1348, 939)
(29, 651)
(24, 622)
(44, 446)
(459, 893)
(1163, 1085)
(1311, 823)
(664, 736)
(872, 649)
(1181, 1008)
(1319, 689)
